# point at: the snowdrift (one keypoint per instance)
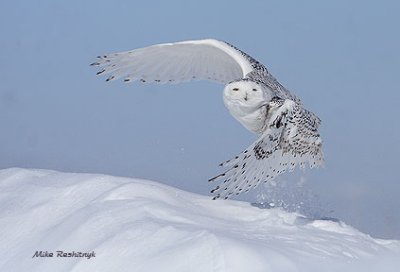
(104, 223)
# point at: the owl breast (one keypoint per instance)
(252, 118)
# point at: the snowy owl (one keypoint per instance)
(287, 132)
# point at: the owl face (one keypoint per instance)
(244, 93)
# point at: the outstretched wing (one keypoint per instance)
(290, 139)
(178, 62)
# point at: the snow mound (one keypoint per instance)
(139, 225)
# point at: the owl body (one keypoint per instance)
(288, 133)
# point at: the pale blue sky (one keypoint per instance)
(340, 57)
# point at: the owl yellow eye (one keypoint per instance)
(254, 90)
(235, 89)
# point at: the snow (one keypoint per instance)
(140, 225)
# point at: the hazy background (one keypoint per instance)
(340, 57)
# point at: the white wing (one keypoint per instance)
(290, 139)
(178, 62)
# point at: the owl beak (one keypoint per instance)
(245, 98)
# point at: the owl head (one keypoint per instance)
(245, 93)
